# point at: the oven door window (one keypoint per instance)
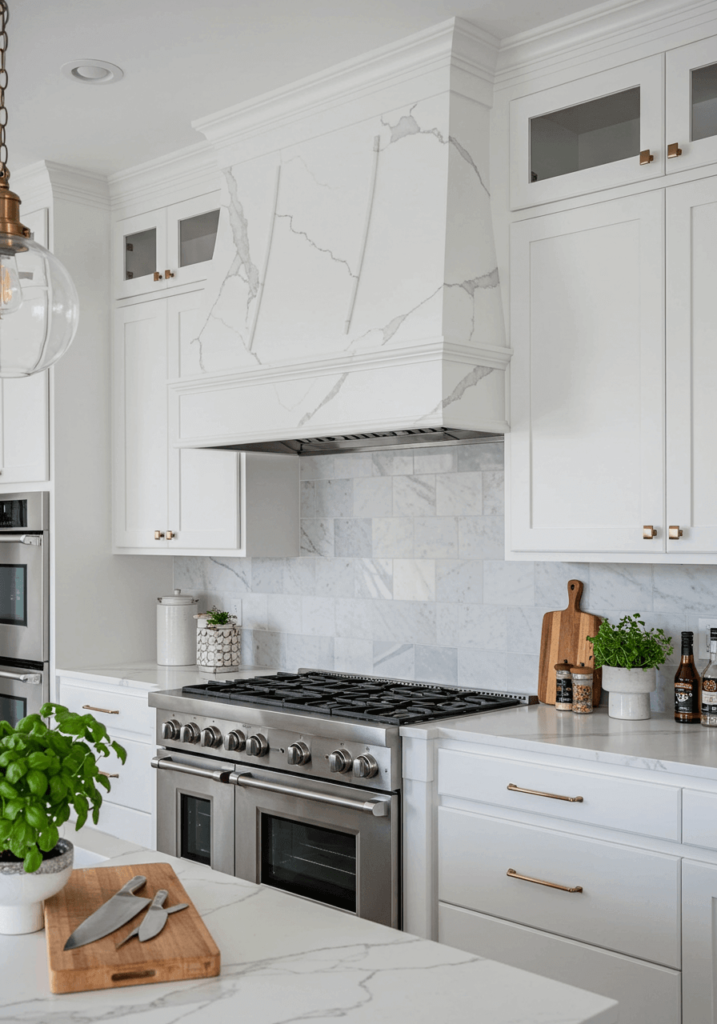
(309, 860)
(12, 709)
(13, 595)
(196, 829)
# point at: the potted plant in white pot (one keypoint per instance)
(218, 640)
(46, 771)
(629, 654)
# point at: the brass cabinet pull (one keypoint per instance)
(675, 533)
(673, 150)
(158, 535)
(157, 276)
(168, 274)
(551, 796)
(648, 532)
(512, 873)
(171, 536)
(646, 156)
(109, 775)
(105, 711)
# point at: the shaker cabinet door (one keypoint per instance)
(586, 464)
(699, 955)
(140, 425)
(692, 367)
(24, 429)
(691, 105)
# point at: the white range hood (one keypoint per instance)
(354, 298)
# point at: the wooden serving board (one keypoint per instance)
(183, 949)
(563, 638)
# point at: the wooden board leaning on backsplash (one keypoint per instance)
(564, 639)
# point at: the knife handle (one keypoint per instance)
(159, 898)
(129, 888)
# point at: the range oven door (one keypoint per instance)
(23, 596)
(22, 692)
(195, 810)
(327, 842)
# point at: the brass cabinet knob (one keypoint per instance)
(168, 273)
(675, 533)
(646, 156)
(157, 276)
(158, 535)
(673, 150)
(648, 532)
(171, 535)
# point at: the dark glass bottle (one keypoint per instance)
(687, 684)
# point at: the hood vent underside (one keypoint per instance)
(369, 442)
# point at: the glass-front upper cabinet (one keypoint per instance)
(691, 95)
(597, 132)
(167, 247)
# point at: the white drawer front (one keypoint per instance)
(630, 899)
(699, 818)
(120, 712)
(126, 823)
(134, 786)
(647, 994)
(607, 801)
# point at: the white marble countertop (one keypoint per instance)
(285, 960)
(148, 675)
(657, 744)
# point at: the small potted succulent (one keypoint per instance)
(46, 771)
(218, 640)
(629, 654)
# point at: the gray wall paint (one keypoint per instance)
(402, 573)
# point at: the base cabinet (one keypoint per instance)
(699, 942)
(647, 994)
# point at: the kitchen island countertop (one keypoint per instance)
(285, 959)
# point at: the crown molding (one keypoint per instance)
(192, 170)
(47, 180)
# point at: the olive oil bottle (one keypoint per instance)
(687, 684)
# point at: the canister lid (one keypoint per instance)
(564, 666)
(178, 598)
(582, 670)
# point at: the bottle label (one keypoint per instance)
(686, 699)
(709, 697)
(564, 691)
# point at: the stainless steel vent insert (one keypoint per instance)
(417, 437)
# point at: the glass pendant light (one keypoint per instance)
(39, 307)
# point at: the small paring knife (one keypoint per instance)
(154, 920)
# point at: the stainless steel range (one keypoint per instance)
(294, 780)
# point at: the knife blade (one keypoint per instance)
(156, 917)
(115, 912)
(167, 911)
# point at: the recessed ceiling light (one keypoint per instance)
(92, 72)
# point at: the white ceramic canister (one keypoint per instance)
(176, 630)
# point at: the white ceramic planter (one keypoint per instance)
(21, 894)
(218, 647)
(629, 690)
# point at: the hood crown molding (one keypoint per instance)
(44, 181)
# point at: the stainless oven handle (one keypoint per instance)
(23, 679)
(189, 769)
(379, 808)
(22, 538)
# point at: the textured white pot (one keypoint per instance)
(21, 894)
(629, 690)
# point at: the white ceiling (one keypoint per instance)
(183, 59)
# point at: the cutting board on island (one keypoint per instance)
(183, 949)
(563, 639)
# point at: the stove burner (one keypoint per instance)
(367, 699)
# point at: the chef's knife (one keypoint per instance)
(154, 920)
(118, 910)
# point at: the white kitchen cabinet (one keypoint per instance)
(24, 429)
(691, 367)
(588, 134)
(699, 953)
(691, 105)
(166, 247)
(586, 469)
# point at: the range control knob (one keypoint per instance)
(170, 730)
(340, 761)
(257, 746)
(211, 737)
(298, 753)
(365, 766)
(235, 740)
(189, 733)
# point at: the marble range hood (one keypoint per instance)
(354, 301)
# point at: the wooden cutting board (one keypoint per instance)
(183, 949)
(563, 638)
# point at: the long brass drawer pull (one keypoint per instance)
(512, 873)
(109, 775)
(104, 711)
(551, 796)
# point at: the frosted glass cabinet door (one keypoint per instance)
(191, 234)
(692, 366)
(699, 956)
(586, 468)
(691, 105)
(587, 135)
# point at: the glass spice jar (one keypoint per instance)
(582, 690)
(563, 687)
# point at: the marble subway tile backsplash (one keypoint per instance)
(402, 573)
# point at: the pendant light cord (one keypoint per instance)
(4, 16)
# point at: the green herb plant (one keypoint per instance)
(45, 771)
(217, 618)
(630, 645)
